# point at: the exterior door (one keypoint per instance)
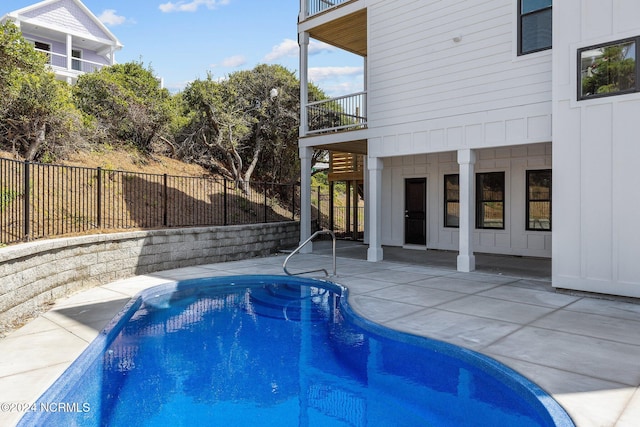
(415, 211)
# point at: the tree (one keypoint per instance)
(17, 57)
(126, 104)
(247, 124)
(36, 113)
(41, 121)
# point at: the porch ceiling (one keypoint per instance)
(357, 147)
(49, 34)
(348, 33)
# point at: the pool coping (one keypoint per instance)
(530, 392)
(591, 399)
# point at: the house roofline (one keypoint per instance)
(17, 16)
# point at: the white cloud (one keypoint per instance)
(192, 6)
(109, 17)
(319, 74)
(234, 61)
(289, 48)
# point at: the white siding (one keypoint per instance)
(595, 155)
(445, 94)
(65, 14)
(514, 161)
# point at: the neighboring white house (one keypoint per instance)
(74, 39)
(488, 126)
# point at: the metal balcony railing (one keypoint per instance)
(314, 7)
(342, 113)
(59, 61)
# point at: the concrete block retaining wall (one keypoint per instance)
(35, 274)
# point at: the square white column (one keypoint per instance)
(306, 154)
(374, 168)
(466, 258)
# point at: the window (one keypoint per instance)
(608, 69)
(490, 200)
(452, 200)
(43, 47)
(539, 200)
(534, 26)
(76, 64)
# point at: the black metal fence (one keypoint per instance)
(345, 221)
(41, 200)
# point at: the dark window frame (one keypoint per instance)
(448, 201)
(76, 61)
(521, 17)
(636, 89)
(43, 47)
(529, 200)
(480, 201)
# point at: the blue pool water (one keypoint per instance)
(278, 351)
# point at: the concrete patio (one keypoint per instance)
(583, 350)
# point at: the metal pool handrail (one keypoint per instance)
(313, 236)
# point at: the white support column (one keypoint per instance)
(365, 190)
(69, 52)
(306, 155)
(374, 167)
(303, 41)
(466, 258)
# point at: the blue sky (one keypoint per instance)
(182, 40)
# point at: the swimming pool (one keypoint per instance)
(277, 350)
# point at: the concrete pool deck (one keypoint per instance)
(585, 351)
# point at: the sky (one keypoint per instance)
(183, 40)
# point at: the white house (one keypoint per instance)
(74, 39)
(490, 126)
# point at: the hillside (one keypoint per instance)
(64, 203)
(128, 161)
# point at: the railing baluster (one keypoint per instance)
(339, 113)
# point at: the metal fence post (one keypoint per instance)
(319, 209)
(264, 190)
(224, 201)
(165, 200)
(99, 197)
(26, 207)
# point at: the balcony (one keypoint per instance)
(58, 62)
(343, 25)
(346, 112)
(314, 7)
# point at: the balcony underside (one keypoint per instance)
(357, 146)
(348, 32)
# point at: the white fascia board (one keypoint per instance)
(111, 41)
(75, 34)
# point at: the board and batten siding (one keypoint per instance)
(514, 161)
(596, 185)
(430, 93)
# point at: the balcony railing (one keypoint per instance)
(318, 6)
(59, 61)
(342, 113)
